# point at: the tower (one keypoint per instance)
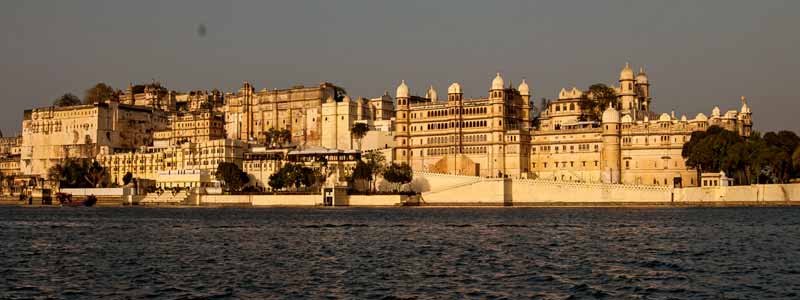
(455, 100)
(525, 93)
(745, 118)
(497, 97)
(627, 95)
(642, 91)
(611, 155)
(403, 126)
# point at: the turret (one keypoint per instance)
(627, 95)
(431, 94)
(643, 91)
(403, 126)
(611, 155)
(525, 93)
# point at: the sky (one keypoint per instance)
(697, 54)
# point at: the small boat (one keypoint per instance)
(66, 200)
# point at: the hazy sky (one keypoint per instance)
(697, 53)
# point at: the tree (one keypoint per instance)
(67, 100)
(277, 180)
(358, 132)
(398, 174)
(362, 173)
(95, 174)
(233, 176)
(127, 178)
(595, 100)
(100, 92)
(796, 158)
(376, 163)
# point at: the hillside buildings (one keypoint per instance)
(152, 132)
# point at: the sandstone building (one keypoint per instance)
(494, 136)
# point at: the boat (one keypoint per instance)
(66, 200)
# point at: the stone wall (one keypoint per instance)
(443, 189)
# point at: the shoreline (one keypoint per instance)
(705, 204)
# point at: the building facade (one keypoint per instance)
(494, 136)
(52, 134)
(479, 137)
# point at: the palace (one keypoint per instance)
(495, 136)
(152, 131)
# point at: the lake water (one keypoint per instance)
(400, 253)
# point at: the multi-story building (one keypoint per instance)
(630, 145)
(52, 134)
(249, 114)
(492, 136)
(193, 127)
(481, 137)
(147, 162)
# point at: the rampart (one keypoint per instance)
(449, 190)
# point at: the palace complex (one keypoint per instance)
(151, 132)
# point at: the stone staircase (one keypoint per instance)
(166, 198)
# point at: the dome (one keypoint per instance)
(641, 77)
(346, 98)
(497, 83)
(701, 117)
(626, 73)
(454, 88)
(611, 115)
(627, 119)
(683, 118)
(523, 89)
(715, 111)
(431, 94)
(745, 109)
(664, 117)
(402, 90)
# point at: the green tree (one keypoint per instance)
(796, 158)
(67, 100)
(126, 179)
(233, 176)
(277, 180)
(398, 174)
(358, 132)
(362, 173)
(596, 99)
(100, 92)
(376, 162)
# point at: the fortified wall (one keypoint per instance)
(444, 190)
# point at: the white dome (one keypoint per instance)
(715, 111)
(611, 115)
(664, 117)
(626, 73)
(701, 117)
(402, 90)
(523, 89)
(683, 118)
(627, 119)
(745, 109)
(641, 77)
(497, 83)
(431, 94)
(454, 88)
(346, 98)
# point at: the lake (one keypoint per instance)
(400, 253)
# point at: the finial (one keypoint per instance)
(744, 100)
(627, 65)
(641, 69)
